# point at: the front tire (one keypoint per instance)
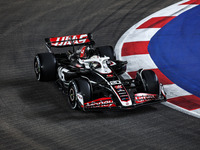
(151, 82)
(146, 81)
(79, 86)
(72, 95)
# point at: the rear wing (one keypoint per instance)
(70, 40)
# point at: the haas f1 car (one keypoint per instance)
(92, 77)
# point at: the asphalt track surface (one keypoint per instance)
(36, 115)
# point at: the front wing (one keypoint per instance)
(139, 99)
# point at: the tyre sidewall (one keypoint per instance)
(37, 67)
(83, 87)
(73, 86)
(150, 81)
(47, 67)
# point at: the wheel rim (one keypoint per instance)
(37, 68)
(72, 98)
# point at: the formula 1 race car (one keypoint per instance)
(92, 77)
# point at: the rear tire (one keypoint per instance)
(106, 51)
(45, 67)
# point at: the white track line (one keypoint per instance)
(141, 35)
(174, 91)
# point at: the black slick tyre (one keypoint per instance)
(45, 67)
(72, 94)
(106, 51)
(151, 82)
(79, 86)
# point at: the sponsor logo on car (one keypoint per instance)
(100, 104)
(118, 87)
(69, 40)
(110, 75)
(139, 98)
(115, 82)
(80, 98)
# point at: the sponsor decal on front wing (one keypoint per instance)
(100, 103)
(122, 95)
(143, 97)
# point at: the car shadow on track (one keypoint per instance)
(44, 100)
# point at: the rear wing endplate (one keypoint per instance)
(70, 40)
